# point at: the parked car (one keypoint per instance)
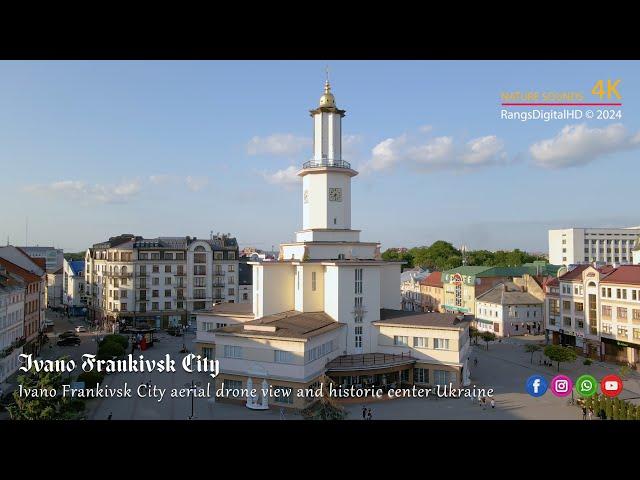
(67, 334)
(69, 342)
(81, 328)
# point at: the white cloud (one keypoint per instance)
(161, 179)
(437, 153)
(578, 145)
(195, 184)
(285, 144)
(286, 177)
(81, 191)
(426, 128)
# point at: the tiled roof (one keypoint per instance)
(575, 274)
(433, 280)
(77, 266)
(513, 295)
(625, 274)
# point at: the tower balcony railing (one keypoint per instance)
(326, 162)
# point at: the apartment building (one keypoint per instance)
(573, 246)
(596, 310)
(12, 339)
(509, 310)
(32, 273)
(432, 292)
(159, 281)
(74, 287)
(52, 256)
(410, 289)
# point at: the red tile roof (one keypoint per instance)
(575, 274)
(13, 268)
(432, 280)
(625, 274)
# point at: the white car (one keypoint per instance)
(81, 328)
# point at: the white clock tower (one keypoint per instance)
(326, 178)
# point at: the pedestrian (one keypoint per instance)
(493, 403)
(369, 414)
(364, 412)
(475, 362)
(110, 415)
(539, 362)
(584, 412)
(590, 413)
(484, 403)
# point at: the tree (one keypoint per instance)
(474, 333)
(109, 350)
(440, 255)
(488, 337)
(532, 348)
(325, 407)
(559, 354)
(121, 340)
(396, 255)
(54, 407)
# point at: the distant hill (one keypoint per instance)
(74, 256)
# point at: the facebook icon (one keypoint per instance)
(536, 385)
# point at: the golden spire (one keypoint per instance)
(327, 100)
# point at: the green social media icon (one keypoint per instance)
(586, 385)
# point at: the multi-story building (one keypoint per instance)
(597, 310)
(410, 289)
(74, 287)
(245, 282)
(508, 310)
(53, 256)
(464, 284)
(330, 304)
(573, 246)
(12, 339)
(32, 273)
(160, 281)
(432, 292)
(54, 298)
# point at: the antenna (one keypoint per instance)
(326, 70)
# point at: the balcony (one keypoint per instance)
(326, 162)
(16, 344)
(118, 275)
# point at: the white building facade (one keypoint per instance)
(11, 328)
(162, 281)
(572, 246)
(74, 295)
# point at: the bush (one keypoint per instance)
(77, 405)
(91, 379)
(118, 339)
(109, 350)
(587, 362)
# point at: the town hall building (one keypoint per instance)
(330, 304)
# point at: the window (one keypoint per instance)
(231, 279)
(167, 280)
(143, 256)
(199, 269)
(220, 325)
(167, 305)
(566, 306)
(207, 326)
(123, 307)
(606, 311)
(621, 313)
(207, 352)
(441, 377)
(155, 306)
(155, 293)
(232, 255)
(180, 305)
(358, 337)
(400, 341)
(199, 282)
(168, 256)
(421, 375)
(622, 331)
(199, 258)
(231, 268)
(199, 293)
(554, 307)
(167, 269)
(358, 284)
(233, 385)
(358, 311)
(245, 296)
(167, 293)
(281, 356)
(155, 281)
(606, 328)
(441, 343)
(634, 294)
(580, 324)
(566, 321)
(231, 351)
(155, 269)
(579, 306)
(313, 281)
(635, 313)
(319, 351)
(155, 256)
(218, 256)
(636, 333)
(420, 342)
(232, 291)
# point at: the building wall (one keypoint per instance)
(390, 286)
(274, 289)
(11, 329)
(567, 246)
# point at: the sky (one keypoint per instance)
(90, 150)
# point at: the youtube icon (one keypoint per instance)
(611, 385)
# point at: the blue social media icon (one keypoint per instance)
(536, 385)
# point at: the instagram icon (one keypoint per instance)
(561, 385)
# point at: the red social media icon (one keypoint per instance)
(611, 385)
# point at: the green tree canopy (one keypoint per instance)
(559, 354)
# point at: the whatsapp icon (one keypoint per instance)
(586, 385)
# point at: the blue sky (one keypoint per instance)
(93, 149)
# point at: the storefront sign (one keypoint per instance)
(622, 344)
(458, 279)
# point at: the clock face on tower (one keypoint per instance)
(335, 194)
(306, 196)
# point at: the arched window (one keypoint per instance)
(116, 269)
(591, 284)
(124, 270)
(199, 248)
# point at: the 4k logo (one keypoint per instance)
(612, 87)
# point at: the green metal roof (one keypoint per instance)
(534, 268)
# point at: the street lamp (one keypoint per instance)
(192, 388)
